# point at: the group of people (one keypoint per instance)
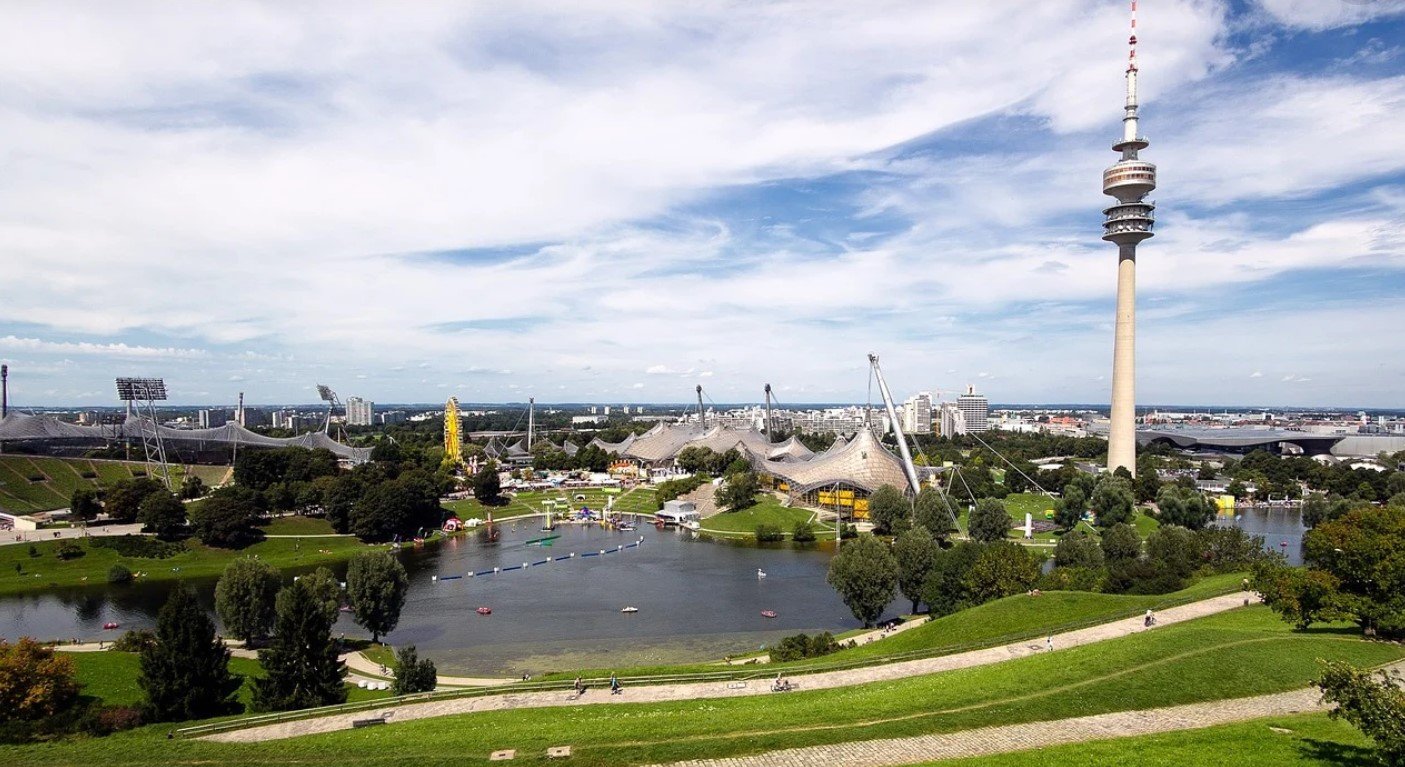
(615, 687)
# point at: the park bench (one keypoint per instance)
(369, 722)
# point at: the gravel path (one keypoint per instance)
(696, 690)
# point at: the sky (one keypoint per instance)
(616, 201)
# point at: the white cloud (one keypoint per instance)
(1256, 374)
(1318, 15)
(88, 348)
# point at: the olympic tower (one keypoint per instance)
(1128, 222)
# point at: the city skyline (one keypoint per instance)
(608, 206)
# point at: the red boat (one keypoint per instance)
(485, 611)
(768, 613)
(110, 626)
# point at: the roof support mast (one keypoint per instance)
(531, 421)
(909, 467)
(770, 429)
(702, 414)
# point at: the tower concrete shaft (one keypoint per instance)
(1128, 222)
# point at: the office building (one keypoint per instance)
(975, 410)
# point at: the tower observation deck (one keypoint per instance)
(1128, 222)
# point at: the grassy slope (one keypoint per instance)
(1311, 740)
(1000, 622)
(295, 525)
(64, 475)
(1243, 652)
(767, 511)
(639, 500)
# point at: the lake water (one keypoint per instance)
(697, 600)
(1282, 529)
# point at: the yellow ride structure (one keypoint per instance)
(453, 443)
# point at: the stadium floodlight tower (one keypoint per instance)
(1128, 222)
(333, 404)
(145, 393)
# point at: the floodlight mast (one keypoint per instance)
(908, 467)
(147, 392)
(330, 397)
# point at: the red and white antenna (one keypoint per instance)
(1132, 41)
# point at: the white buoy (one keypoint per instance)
(433, 578)
(760, 574)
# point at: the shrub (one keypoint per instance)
(1074, 579)
(135, 640)
(119, 573)
(769, 533)
(69, 550)
(802, 646)
(804, 532)
(33, 550)
(88, 474)
(106, 720)
(137, 546)
(847, 531)
(36, 478)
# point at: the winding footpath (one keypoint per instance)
(721, 689)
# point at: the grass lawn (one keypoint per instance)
(1305, 740)
(112, 678)
(296, 525)
(767, 511)
(638, 500)
(1239, 653)
(47, 570)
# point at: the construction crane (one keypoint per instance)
(909, 468)
(453, 443)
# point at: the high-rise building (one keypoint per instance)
(287, 419)
(975, 410)
(1128, 222)
(214, 417)
(917, 413)
(953, 424)
(359, 412)
(391, 416)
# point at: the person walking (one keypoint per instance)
(1049, 643)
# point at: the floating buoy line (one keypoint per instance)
(549, 560)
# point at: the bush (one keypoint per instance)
(412, 673)
(105, 720)
(803, 532)
(1074, 579)
(802, 646)
(119, 573)
(769, 533)
(135, 640)
(136, 546)
(847, 531)
(33, 550)
(37, 478)
(88, 474)
(69, 550)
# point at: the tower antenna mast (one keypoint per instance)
(1128, 222)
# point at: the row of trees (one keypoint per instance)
(376, 584)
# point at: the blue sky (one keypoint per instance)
(615, 202)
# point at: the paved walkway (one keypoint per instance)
(371, 670)
(719, 689)
(864, 638)
(986, 741)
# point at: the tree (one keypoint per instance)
(244, 598)
(739, 491)
(1112, 501)
(486, 486)
(1174, 550)
(1078, 549)
(695, 459)
(915, 551)
(84, 503)
(1187, 509)
(301, 663)
(1237, 489)
(224, 519)
(989, 521)
(803, 532)
(931, 511)
(1301, 597)
(326, 590)
(413, 674)
(864, 573)
(1318, 508)
(1121, 543)
(339, 496)
(1071, 507)
(1002, 568)
(889, 511)
(192, 487)
(185, 674)
(123, 500)
(1147, 484)
(1372, 701)
(945, 590)
(34, 682)
(162, 513)
(1363, 552)
(376, 584)
(389, 509)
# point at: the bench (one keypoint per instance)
(371, 722)
(736, 685)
